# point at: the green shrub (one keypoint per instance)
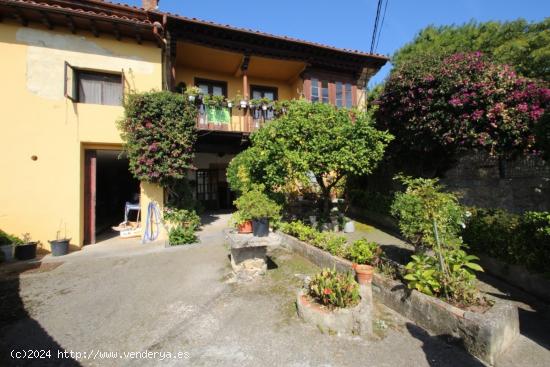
(182, 217)
(8, 239)
(364, 252)
(180, 235)
(335, 244)
(182, 225)
(334, 289)
(455, 283)
(255, 204)
(423, 274)
(422, 203)
(515, 239)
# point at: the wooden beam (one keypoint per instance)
(117, 32)
(46, 20)
(139, 39)
(93, 27)
(70, 24)
(20, 18)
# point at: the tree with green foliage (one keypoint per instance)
(158, 130)
(524, 45)
(311, 142)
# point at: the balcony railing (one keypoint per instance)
(234, 119)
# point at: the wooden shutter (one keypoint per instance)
(70, 89)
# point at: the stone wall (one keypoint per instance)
(519, 185)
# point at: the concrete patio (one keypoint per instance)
(136, 298)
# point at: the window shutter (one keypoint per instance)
(70, 89)
(123, 83)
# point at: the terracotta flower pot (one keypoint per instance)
(245, 227)
(364, 273)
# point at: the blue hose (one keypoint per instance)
(151, 232)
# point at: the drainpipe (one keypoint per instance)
(161, 34)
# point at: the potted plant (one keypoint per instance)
(257, 206)
(7, 244)
(332, 301)
(193, 93)
(242, 222)
(364, 255)
(26, 250)
(60, 246)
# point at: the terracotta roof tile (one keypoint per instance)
(248, 30)
(46, 5)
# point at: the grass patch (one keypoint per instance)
(362, 227)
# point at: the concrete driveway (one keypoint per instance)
(151, 301)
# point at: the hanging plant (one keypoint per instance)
(158, 130)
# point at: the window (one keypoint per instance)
(349, 99)
(212, 87)
(339, 94)
(314, 90)
(264, 92)
(99, 88)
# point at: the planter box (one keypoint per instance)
(351, 321)
(518, 276)
(484, 335)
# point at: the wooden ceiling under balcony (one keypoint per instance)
(215, 60)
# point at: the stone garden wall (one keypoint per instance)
(525, 184)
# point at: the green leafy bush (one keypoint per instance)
(180, 235)
(8, 239)
(334, 289)
(455, 283)
(333, 243)
(255, 204)
(182, 225)
(422, 203)
(364, 252)
(158, 130)
(512, 238)
(423, 274)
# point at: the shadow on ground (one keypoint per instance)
(534, 314)
(19, 332)
(434, 349)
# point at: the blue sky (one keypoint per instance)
(349, 23)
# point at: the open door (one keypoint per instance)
(90, 179)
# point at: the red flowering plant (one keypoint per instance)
(334, 289)
(158, 130)
(439, 106)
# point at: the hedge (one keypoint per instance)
(515, 239)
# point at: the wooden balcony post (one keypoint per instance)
(244, 68)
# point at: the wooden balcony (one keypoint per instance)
(232, 119)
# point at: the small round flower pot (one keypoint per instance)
(243, 104)
(264, 107)
(60, 247)
(364, 273)
(349, 227)
(7, 252)
(26, 251)
(191, 98)
(245, 227)
(260, 227)
(230, 104)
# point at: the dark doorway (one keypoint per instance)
(108, 186)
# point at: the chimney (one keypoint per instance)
(150, 4)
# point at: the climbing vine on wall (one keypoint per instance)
(158, 130)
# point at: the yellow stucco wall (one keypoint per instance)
(46, 195)
(235, 87)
